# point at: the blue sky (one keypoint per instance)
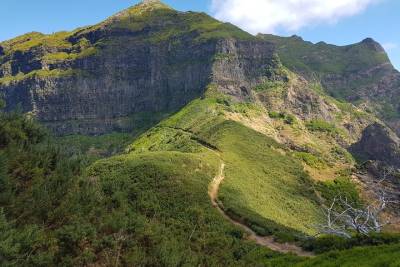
(378, 19)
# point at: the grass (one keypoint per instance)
(170, 216)
(287, 118)
(63, 56)
(139, 17)
(362, 256)
(150, 207)
(310, 159)
(275, 86)
(96, 147)
(323, 58)
(265, 187)
(331, 65)
(31, 40)
(166, 24)
(55, 73)
(341, 186)
(322, 126)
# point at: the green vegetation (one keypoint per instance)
(362, 256)
(141, 198)
(311, 160)
(322, 126)
(224, 56)
(246, 109)
(276, 115)
(277, 86)
(343, 187)
(342, 154)
(150, 206)
(330, 243)
(31, 40)
(256, 172)
(322, 58)
(168, 209)
(262, 185)
(331, 65)
(95, 147)
(139, 17)
(55, 73)
(277, 78)
(287, 118)
(63, 56)
(138, 209)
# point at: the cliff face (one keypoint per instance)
(150, 60)
(378, 143)
(360, 73)
(145, 60)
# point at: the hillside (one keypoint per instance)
(167, 138)
(144, 62)
(360, 73)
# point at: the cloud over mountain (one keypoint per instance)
(269, 15)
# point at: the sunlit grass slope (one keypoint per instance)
(158, 202)
(263, 186)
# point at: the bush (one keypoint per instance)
(329, 243)
(321, 126)
(341, 186)
(276, 115)
(310, 160)
(287, 118)
(290, 119)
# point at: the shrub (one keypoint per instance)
(276, 115)
(287, 118)
(321, 126)
(310, 159)
(329, 243)
(341, 186)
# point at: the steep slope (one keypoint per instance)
(146, 60)
(148, 207)
(256, 172)
(359, 73)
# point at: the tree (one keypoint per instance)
(344, 217)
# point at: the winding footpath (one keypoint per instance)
(266, 241)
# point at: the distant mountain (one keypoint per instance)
(360, 73)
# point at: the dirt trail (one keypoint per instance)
(266, 241)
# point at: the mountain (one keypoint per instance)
(148, 59)
(360, 73)
(184, 141)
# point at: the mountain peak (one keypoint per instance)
(372, 44)
(139, 9)
(148, 2)
(152, 4)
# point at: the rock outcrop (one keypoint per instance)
(360, 73)
(148, 59)
(378, 143)
(151, 60)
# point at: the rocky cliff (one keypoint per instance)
(148, 59)
(360, 73)
(378, 143)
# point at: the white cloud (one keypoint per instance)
(266, 16)
(390, 46)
